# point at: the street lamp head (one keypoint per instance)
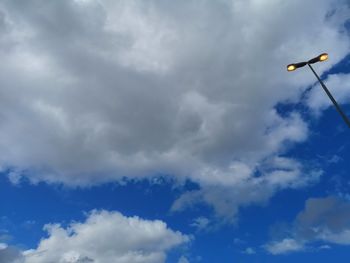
(320, 58)
(294, 66)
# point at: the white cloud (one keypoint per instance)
(200, 223)
(94, 91)
(183, 260)
(284, 246)
(342, 237)
(14, 177)
(106, 237)
(323, 247)
(249, 251)
(3, 246)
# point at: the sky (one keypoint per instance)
(167, 131)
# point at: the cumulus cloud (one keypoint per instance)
(106, 237)
(323, 219)
(94, 91)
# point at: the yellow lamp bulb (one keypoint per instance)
(291, 67)
(324, 57)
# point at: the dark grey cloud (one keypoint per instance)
(323, 219)
(324, 216)
(10, 255)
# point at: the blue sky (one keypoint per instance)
(157, 132)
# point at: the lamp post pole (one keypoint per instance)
(336, 105)
(322, 57)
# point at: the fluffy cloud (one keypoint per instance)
(106, 237)
(323, 219)
(94, 91)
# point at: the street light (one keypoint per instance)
(320, 58)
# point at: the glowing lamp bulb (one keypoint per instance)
(323, 57)
(291, 67)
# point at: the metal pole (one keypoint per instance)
(347, 121)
